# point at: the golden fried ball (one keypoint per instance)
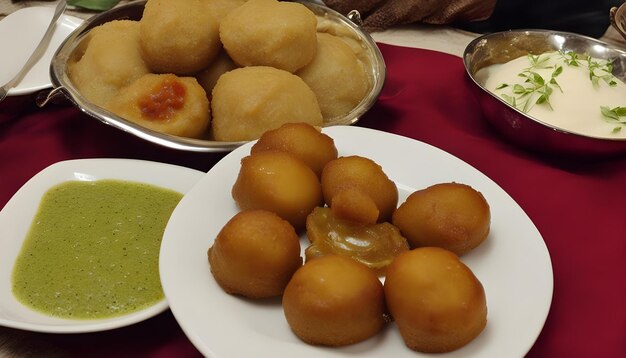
(255, 254)
(208, 77)
(270, 33)
(365, 175)
(251, 100)
(180, 37)
(221, 8)
(354, 205)
(436, 301)
(450, 215)
(165, 103)
(108, 59)
(334, 301)
(338, 78)
(278, 182)
(303, 140)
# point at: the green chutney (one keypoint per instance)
(92, 251)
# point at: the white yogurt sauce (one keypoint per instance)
(575, 106)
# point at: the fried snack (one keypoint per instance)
(302, 140)
(208, 77)
(278, 182)
(365, 175)
(180, 37)
(375, 246)
(251, 100)
(221, 8)
(334, 301)
(107, 59)
(338, 78)
(436, 301)
(453, 216)
(255, 254)
(270, 33)
(352, 204)
(164, 103)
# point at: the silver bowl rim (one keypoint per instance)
(472, 45)
(62, 85)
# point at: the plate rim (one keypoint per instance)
(547, 278)
(100, 168)
(67, 20)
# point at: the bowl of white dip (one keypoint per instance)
(550, 91)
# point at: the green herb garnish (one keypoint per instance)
(570, 58)
(600, 71)
(535, 89)
(614, 115)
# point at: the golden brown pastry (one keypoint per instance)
(336, 75)
(208, 77)
(255, 254)
(436, 301)
(271, 33)
(353, 204)
(278, 182)
(365, 175)
(251, 100)
(303, 140)
(164, 103)
(180, 37)
(219, 9)
(107, 59)
(450, 215)
(334, 301)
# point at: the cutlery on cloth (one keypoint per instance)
(4, 90)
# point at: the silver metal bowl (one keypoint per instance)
(134, 11)
(519, 127)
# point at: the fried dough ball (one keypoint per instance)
(303, 140)
(255, 254)
(375, 246)
(354, 205)
(334, 301)
(365, 175)
(336, 75)
(450, 215)
(221, 8)
(208, 77)
(270, 33)
(436, 301)
(277, 182)
(251, 100)
(165, 103)
(107, 59)
(180, 37)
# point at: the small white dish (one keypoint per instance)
(513, 263)
(20, 32)
(17, 215)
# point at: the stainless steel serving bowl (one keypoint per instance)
(133, 11)
(517, 126)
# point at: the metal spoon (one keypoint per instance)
(4, 90)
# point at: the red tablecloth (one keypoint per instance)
(579, 207)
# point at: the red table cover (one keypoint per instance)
(579, 207)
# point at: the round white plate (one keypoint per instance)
(20, 33)
(513, 263)
(17, 215)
